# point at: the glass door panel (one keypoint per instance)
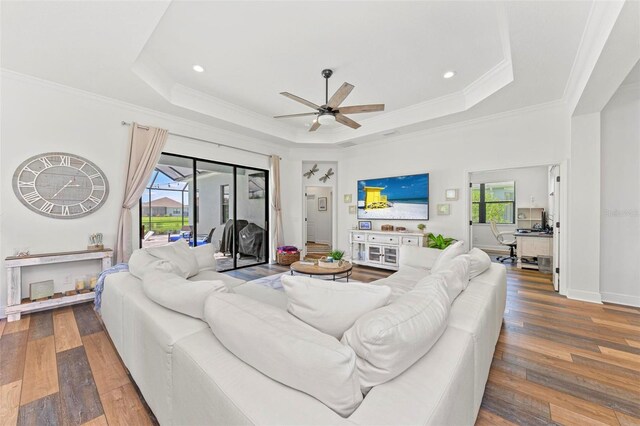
(390, 256)
(165, 213)
(375, 254)
(251, 216)
(215, 224)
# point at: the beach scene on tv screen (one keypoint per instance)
(400, 197)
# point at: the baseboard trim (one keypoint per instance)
(585, 296)
(621, 299)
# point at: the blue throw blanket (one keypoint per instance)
(120, 267)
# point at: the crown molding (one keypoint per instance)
(600, 22)
(556, 104)
(210, 132)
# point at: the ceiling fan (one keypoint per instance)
(331, 110)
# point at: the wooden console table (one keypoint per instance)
(16, 306)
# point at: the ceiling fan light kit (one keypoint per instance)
(331, 111)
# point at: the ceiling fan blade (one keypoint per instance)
(299, 99)
(340, 95)
(346, 121)
(314, 126)
(304, 114)
(355, 109)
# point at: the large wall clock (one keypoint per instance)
(60, 185)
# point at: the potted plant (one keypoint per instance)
(439, 242)
(336, 254)
(422, 227)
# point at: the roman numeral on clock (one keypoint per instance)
(31, 197)
(46, 207)
(45, 162)
(94, 199)
(65, 211)
(30, 170)
(31, 184)
(65, 160)
(95, 175)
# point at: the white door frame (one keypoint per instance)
(562, 276)
(334, 215)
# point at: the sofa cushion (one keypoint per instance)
(210, 275)
(447, 255)
(178, 294)
(480, 262)
(204, 255)
(179, 254)
(418, 257)
(403, 281)
(456, 275)
(144, 334)
(141, 261)
(474, 311)
(286, 349)
(332, 307)
(390, 339)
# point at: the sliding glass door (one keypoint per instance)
(206, 202)
(251, 205)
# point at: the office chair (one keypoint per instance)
(510, 242)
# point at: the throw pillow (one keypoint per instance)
(480, 262)
(391, 339)
(330, 306)
(179, 254)
(447, 255)
(284, 348)
(204, 255)
(140, 262)
(456, 276)
(178, 294)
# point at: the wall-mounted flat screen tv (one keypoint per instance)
(394, 198)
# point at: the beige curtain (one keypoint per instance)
(145, 147)
(278, 238)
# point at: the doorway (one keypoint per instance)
(518, 208)
(318, 220)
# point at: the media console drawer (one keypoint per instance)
(358, 237)
(410, 241)
(383, 239)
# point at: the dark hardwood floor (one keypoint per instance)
(558, 361)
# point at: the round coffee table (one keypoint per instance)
(311, 270)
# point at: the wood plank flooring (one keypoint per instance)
(59, 367)
(558, 361)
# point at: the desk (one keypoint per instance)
(533, 244)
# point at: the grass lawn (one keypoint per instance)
(164, 224)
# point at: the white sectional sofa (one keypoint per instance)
(188, 377)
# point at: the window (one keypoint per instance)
(224, 204)
(493, 202)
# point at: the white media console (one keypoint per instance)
(380, 249)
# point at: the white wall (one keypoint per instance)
(320, 220)
(620, 198)
(529, 182)
(523, 138)
(584, 208)
(39, 117)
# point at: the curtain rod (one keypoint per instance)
(124, 123)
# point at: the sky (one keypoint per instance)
(400, 187)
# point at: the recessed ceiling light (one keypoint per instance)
(198, 68)
(449, 74)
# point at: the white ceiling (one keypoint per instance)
(507, 55)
